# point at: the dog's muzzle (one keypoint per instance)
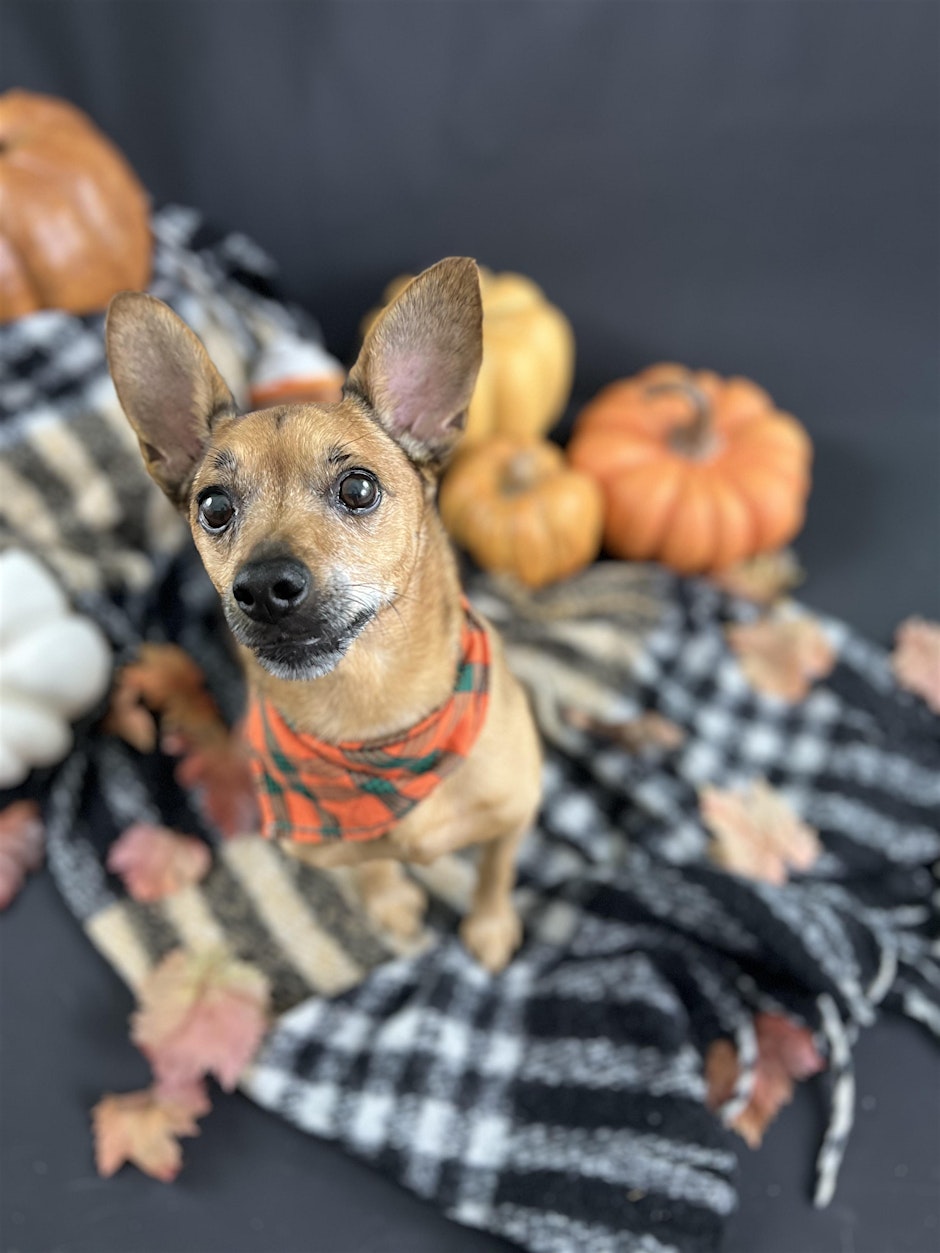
(294, 629)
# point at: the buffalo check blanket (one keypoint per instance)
(561, 1104)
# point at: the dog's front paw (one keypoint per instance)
(492, 938)
(398, 908)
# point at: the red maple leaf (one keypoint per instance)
(213, 764)
(219, 774)
(783, 654)
(155, 862)
(22, 847)
(756, 833)
(201, 1013)
(785, 1052)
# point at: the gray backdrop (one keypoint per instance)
(749, 186)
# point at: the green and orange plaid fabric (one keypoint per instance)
(312, 791)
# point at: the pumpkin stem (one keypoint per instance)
(696, 439)
(519, 473)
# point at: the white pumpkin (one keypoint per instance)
(54, 666)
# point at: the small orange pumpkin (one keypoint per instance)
(75, 221)
(698, 472)
(519, 509)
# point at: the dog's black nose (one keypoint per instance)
(267, 591)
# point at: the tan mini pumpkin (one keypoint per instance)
(698, 471)
(528, 358)
(74, 220)
(519, 509)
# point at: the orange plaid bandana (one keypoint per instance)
(312, 792)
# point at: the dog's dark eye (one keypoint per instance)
(216, 511)
(358, 490)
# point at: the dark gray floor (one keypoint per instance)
(252, 1184)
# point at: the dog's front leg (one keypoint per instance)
(390, 898)
(492, 931)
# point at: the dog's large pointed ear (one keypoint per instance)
(170, 391)
(420, 360)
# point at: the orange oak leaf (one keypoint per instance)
(782, 655)
(129, 719)
(916, 659)
(219, 774)
(785, 1052)
(756, 833)
(155, 862)
(213, 764)
(764, 579)
(721, 1072)
(646, 731)
(143, 1128)
(163, 680)
(22, 847)
(201, 1013)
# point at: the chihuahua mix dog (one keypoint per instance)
(383, 721)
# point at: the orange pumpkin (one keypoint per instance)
(519, 509)
(75, 222)
(698, 471)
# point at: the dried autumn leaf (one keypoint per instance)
(201, 1013)
(220, 775)
(130, 720)
(764, 579)
(646, 731)
(785, 1052)
(756, 833)
(22, 847)
(163, 680)
(142, 1127)
(916, 659)
(161, 673)
(783, 655)
(155, 862)
(721, 1073)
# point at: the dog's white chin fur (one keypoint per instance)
(302, 670)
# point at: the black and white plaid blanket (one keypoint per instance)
(562, 1103)
(72, 484)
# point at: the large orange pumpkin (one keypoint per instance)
(698, 471)
(74, 220)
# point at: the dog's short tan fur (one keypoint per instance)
(399, 418)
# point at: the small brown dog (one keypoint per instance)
(318, 527)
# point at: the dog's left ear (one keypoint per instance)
(170, 391)
(419, 363)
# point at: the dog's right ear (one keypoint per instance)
(170, 391)
(419, 363)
